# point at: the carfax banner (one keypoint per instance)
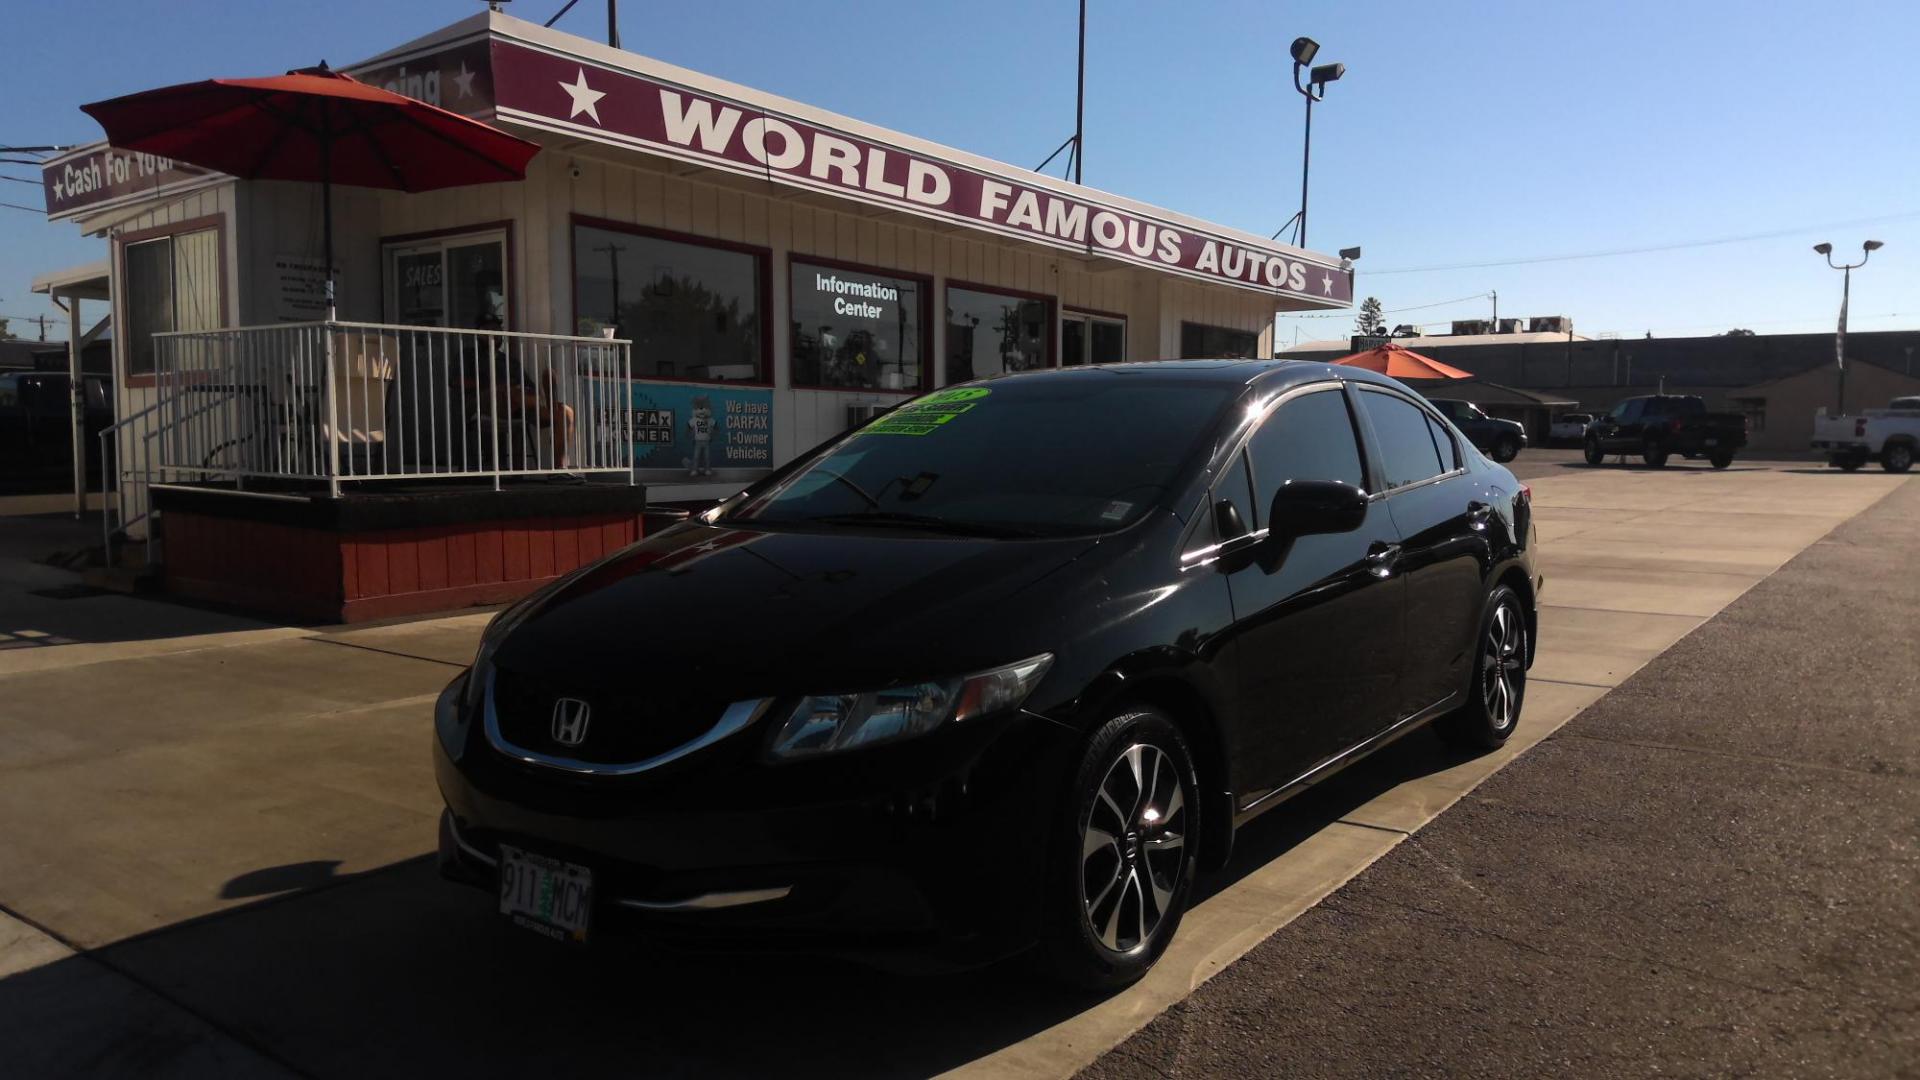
(691, 432)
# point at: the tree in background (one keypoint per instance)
(1370, 321)
(5, 334)
(1738, 332)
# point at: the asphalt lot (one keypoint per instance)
(215, 860)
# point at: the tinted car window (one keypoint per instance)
(1091, 451)
(1407, 452)
(1236, 487)
(1628, 410)
(1443, 441)
(1308, 438)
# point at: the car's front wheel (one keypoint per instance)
(1124, 858)
(1595, 455)
(1499, 677)
(1506, 449)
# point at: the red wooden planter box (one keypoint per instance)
(329, 561)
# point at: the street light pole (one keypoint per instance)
(1315, 89)
(1840, 330)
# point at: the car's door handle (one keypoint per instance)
(1478, 513)
(1382, 558)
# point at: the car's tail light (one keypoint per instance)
(1859, 426)
(1674, 424)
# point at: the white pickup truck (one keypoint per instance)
(1890, 436)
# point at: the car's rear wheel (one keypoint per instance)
(1595, 455)
(1499, 677)
(1897, 457)
(1654, 454)
(1720, 461)
(1125, 858)
(1506, 449)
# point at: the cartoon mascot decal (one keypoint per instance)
(700, 423)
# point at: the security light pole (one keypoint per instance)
(1840, 331)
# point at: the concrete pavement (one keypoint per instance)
(1709, 872)
(225, 826)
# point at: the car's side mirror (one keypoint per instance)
(1227, 522)
(1310, 507)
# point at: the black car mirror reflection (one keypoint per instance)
(1312, 507)
(1226, 521)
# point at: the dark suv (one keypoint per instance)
(1006, 666)
(1501, 439)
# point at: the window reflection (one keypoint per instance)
(989, 332)
(692, 311)
(855, 329)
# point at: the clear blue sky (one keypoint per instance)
(1463, 133)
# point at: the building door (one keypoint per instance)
(1092, 339)
(457, 281)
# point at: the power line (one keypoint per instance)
(41, 210)
(1393, 311)
(1652, 248)
(22, 180)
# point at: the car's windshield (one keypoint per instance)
(1042, 456)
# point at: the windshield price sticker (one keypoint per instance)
(929, 414)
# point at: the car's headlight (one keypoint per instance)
(822, 723)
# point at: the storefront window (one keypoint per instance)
(990, 332)
(855, 329)
(172, 283)
(1199, 341)
(692, 311)
(1092, 339)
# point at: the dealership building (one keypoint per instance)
(779, 271)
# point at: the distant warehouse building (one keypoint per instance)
(1773, 378)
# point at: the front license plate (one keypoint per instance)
(550, 897)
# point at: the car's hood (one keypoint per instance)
(769, 612)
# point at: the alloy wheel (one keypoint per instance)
(1503, 666)
(1133, 847)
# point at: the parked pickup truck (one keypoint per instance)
(1660, 425)
(1890, 436)
(1569, 427)
(36, 423)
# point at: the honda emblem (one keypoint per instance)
(570, 717)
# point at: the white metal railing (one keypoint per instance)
(295, 406)
(336, 403)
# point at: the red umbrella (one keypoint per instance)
(1400, 362)
(314, 124)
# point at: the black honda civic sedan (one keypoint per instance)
(1000, 671)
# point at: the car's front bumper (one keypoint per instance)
(937, 844)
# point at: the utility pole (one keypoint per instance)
(613, 23)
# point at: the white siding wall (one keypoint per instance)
(215, 202)
(283, 218)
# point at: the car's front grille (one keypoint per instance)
(621, 727)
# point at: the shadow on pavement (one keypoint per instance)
(395, 972)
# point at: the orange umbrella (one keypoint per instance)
(1399, 362)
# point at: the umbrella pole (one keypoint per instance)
(326, 204)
